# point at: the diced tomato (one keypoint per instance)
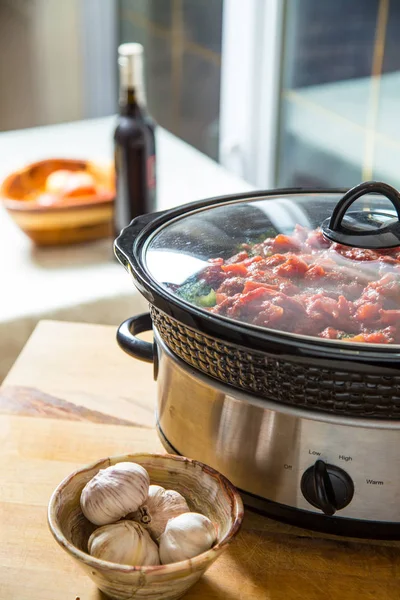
(260, 292)
(367, 312)
(254, 285)
(252, 260)
(235, 269)
(276, 259)
(293, 267)
(285, 243)
(238, 258)
(314, 273)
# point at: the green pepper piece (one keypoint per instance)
(209, 300)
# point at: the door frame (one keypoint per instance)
(99, 39)
(250, 88)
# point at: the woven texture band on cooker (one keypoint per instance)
(270, 377)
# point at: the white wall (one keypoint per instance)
(56, 35)
(18, 103)
(40, 66)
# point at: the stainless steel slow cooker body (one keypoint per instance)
(306, 427)
(267, 448)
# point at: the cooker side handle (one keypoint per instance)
(124, 243)
(129, 342)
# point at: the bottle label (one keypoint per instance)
(151, 172)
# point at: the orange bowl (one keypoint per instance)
(49, 219)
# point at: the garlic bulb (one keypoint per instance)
(161, 506)
(126, 543)
(114, 492)
(186, 536)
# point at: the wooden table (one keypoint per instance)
(72, 397)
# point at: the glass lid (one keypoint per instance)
(284, 263)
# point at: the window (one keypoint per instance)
(340, 91)
(182, 41)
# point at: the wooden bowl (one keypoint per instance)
(205, 490)
(74, 219)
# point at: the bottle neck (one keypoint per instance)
(130, 104)
(132, 99)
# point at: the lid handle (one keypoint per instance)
(371, 230)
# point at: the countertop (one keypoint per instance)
(73, 397)
(84, 282)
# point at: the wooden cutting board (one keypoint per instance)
(72, 397)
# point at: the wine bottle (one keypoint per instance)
(134, 142)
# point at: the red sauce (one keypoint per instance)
(304, 284)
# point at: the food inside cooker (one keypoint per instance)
(303, 283)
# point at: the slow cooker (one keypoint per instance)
(277, 347)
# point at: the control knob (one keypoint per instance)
(327, 487)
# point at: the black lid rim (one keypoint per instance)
(128, 248)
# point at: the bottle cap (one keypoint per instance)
(130, 61)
